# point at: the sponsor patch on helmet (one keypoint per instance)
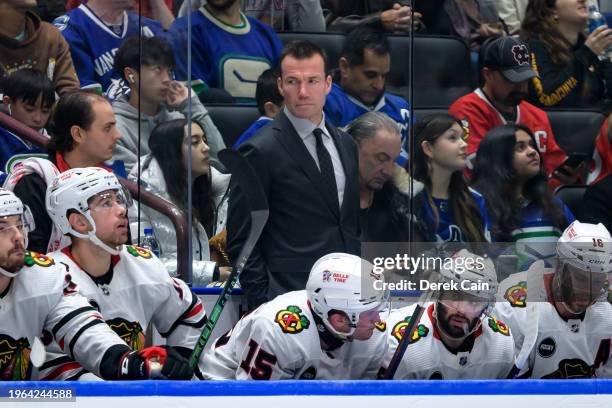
(291, 320)
(34, 258)
(400, 329)
(139, 252)
(517, 295)
(499, 327)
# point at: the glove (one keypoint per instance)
(154, 362)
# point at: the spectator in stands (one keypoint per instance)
(28, 98)
(269, 103)
(508, 172)
(449, 210)
(512, 12)
(164, 173)
(286, 15)
(570, 72)
(359, 83)
(84, 134)
(160, 10)
(501, 99)
(27, 42)
(596, 206)
(95, 32)
(146, 65)
(388, 15)
(384, 187)
(229, 50)
(309, 172)
(601, 165)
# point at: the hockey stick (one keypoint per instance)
(535, 280)
(258, 206)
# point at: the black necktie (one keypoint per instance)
(326, 167)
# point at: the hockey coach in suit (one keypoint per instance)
(309, 171)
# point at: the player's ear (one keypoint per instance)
(79, 223)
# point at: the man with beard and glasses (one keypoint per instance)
(229, 49)
(39, 300)
(506, 71)
(574, 317)
(128, 285)
(456, 338)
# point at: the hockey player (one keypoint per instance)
(331, 330)
(574, 319)
(128, 285)
(39, 299)
(456, 337)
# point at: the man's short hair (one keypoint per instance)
(302, 49)
(137, 51)
(362, 38)
(366, 126)
(267, 90)
(29, 84)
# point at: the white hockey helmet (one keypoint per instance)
(72, 190)
(587, 248)
(347, 283)
(11, 205)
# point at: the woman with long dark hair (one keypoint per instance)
(508, 172)
(450, 210)
(164, 173)
(570, 72)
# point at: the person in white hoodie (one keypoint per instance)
(146, 64)
(164, 173)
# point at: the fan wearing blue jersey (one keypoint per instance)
(450, 210)
(359, 84)
(95, 32)
(229, 50)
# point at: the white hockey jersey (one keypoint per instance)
(280, 340)
(135, 292)
(576, 348)
(41, 301)
(490, 356)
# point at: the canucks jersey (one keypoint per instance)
(490, 356)
(279, 340)
(136, 291)
(573, 348)
(93, 45)
(42, 301)
(225, 56)
(14, 149)
(341, 109)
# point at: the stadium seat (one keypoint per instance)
(572, 195)
(232, 120)
(575, 130)
(330, 42)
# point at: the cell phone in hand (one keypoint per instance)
(573, 160)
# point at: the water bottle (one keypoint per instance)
(596, 19)
(150, 242)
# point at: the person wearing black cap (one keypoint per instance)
(571, 74)
(506, 70)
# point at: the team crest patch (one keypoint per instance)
(400, 328)
(130, 332)
(34, 258)
(139, 252)
(499, 327)
(14, 359)
(291, 320)
(381, 326)
(517, 295)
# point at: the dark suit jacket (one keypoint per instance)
(303, 225)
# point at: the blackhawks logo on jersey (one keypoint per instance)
(400, 329)
(14, 359)
(291, 320)
(381, 326)
(34, 258)
(517, 295)
(139, 252)
(130, 332)
(571, 368)
(499, 327)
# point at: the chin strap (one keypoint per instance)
(7, 273)
(326, 336)
(96, 241)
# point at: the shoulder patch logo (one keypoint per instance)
(34, 258)
(381, 326)
(499, 327)
(517, 295)
(291, 320)
(139, 252)
(400, 329)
